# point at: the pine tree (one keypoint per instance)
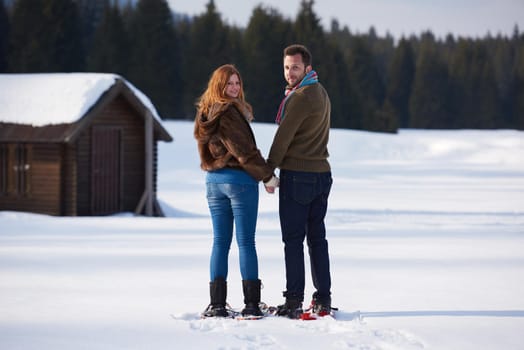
(488, 107)
(110, 48)
(518, 92)
(475, 93)
(307, 24)
(46, 37)
(401, 74)
(429, 104)
(64, 40)
(207, 48)
(340, 87)
(309, 32)
(349, 102)
(91, 13)
(505, 61)
(4, 37)
(155, 61)
(368, 86)
(26, 44)
(329, 62)
(503, 54)
(265, 37)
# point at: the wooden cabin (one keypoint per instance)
(75, 144)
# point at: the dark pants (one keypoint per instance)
(302, 207)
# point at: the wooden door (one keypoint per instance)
(106, 193)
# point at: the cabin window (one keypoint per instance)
(15, 169)
(22, 167)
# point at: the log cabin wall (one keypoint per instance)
(33, 178)
(69, 180)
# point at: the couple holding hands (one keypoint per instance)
(234, 166)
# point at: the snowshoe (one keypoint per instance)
(318, 310)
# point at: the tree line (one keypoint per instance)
(375, 83)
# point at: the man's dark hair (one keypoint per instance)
(294, 49)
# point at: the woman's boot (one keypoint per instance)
(251, 290)
(218, 293)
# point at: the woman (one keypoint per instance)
(234, 166)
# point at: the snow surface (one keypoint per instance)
(426, 234)
(55, 98)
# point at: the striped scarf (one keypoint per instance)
(309, 79)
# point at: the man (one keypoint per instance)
(299, 149)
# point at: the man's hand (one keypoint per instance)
(271, 184)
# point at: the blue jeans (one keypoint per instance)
(237, 204)
(303, 200)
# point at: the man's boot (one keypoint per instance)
(321, 305)
(292, 308)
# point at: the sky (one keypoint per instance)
(471, 18)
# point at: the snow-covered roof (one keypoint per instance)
(56, 98)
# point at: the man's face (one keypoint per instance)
(294, 69)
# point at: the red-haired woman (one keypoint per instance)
(234, 165)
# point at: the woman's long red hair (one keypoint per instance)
(216, 89)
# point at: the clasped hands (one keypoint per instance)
(271, 184)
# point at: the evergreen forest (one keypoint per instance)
(375, 83)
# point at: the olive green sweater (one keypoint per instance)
(300, 142)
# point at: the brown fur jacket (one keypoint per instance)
(225, 139)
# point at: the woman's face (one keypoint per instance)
(233, 86)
